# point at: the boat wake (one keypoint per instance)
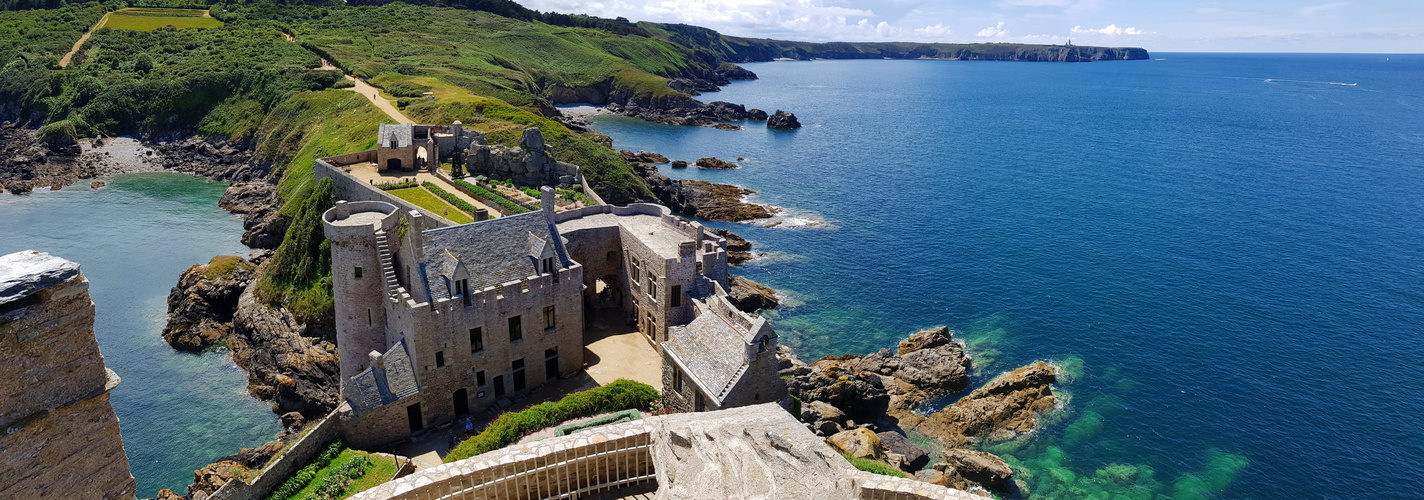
(1274, 80)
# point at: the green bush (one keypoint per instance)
(450, 197)
(299, 275)
(302, 477)
(389, 186)
(622, 394)
(492, 196)
(336, 482)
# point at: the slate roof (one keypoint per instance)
(375, 388)
(713, 351)
(493, 251)
(401, 133)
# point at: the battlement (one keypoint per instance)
(492, 295)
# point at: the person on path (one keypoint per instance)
(449, 442)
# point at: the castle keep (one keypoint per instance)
(435, 320)
(60, 435)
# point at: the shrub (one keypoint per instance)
(303, 477)
(340, 478)
(389, 186)
(491, 196)
(450, 197)
(622, 394)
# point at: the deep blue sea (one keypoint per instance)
(1225, 253)
(132, 239)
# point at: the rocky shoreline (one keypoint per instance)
(866, 406)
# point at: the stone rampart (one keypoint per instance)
(296, 456)
(60, 435)
(349, 188)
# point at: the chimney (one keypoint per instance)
(546, 201)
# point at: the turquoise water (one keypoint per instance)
(1225, 252)
(132, 239)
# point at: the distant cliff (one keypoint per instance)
(739, 50)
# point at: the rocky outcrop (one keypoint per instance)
(201, 307)
(983, 468)
(858, 443)
(689, 112)
(529, 164)
(750, 296)
(716, 164)
(1001, 408)
(739, 250)
(27, 163)
(297, 373)
(900, 452)
(218, 160)
(679, 164)
(782, 119)
(701, 199)
(247, 462)
(883, 386)
(258, 203)
(642, 156)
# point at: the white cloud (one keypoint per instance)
(938, 31)
(1111, 29)
(996, 31)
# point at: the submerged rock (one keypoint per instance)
(201, 307)
(750, 296)
(642, 156)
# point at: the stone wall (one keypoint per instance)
(349, 188)
(61, 436)
(297, 455)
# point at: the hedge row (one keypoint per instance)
(492, 196)
(448, 196)
(622, 394)
(303, 477)
(391, 186)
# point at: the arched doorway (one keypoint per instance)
(393, 164)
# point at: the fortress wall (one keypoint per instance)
(297, 456)
(61, 436)
(349, 188)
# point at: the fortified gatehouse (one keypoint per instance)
(435, 321)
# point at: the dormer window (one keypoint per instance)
(549, 265)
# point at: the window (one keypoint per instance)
(518, 367)
(653, 287)
(676, 295)
(635, 268)
(676, 379)
(477, 340)
(699, 268)
(549, 265)
(358, 272)
(516, 330)
(368, 317)
(480, 380)
(548, 317)
(439, 359)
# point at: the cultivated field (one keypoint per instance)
(150, 19)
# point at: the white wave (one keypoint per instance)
(1343, 84)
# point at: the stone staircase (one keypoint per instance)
(388, 270)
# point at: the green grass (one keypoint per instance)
(152, 19)
(622, 394)
(427, 200)
(300, 479)
(223, 265)
(384, 468)
(491, 195)
(875, 466)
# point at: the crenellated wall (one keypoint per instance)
(60, 435)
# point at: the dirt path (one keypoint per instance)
(64, 61)
(373, 95)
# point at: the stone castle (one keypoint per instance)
(435, 321)
(60, 435)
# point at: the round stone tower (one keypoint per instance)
(362, 236)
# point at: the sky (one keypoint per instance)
(1379, 26)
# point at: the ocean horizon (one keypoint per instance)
(1221, 251)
